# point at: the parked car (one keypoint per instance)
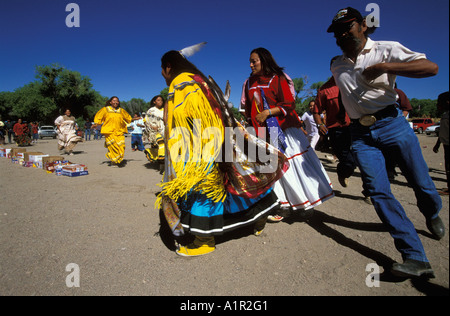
(47, 131)
(433, 129)
(420, 125)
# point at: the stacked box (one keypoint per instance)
(74, 173)
(47, 163)
(37, 160)
(54, 166)
(26, 155)
(74, 170)
(15, 151)
(17, 155)
(51, 159)
(74, 167)
(51, 164)
(5, 152)
(26, 158)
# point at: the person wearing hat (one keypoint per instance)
(365, 75)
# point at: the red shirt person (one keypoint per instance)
(278, 95)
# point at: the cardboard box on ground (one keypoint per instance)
(51, 164)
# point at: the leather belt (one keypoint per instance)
(370, 119)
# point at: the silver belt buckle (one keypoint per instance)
(367, 120)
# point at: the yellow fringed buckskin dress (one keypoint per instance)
(114, 127)
(194, 136)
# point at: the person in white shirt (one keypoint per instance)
(365, 75)
(136, 133)
(311, 126)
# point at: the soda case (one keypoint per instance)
(74, 173)
(53, 166)
(74, 170)
(48, 163)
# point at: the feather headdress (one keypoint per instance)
(191, 50)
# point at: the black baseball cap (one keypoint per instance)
(344, 16)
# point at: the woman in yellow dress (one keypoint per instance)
(114, 120)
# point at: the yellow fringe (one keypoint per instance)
(196, 134)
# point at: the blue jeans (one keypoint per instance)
(395, 138)
(87, 132)
(136, 141)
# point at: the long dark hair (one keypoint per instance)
(108, 103)
(154, 99)
(269, 65)
(179, 64)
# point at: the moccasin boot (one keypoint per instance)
(201, 246)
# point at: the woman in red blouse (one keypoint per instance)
(305, 184)
(21, 133)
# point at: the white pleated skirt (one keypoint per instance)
(306, 184)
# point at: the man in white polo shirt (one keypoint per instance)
(365, 75)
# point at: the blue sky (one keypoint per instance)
(119, 44)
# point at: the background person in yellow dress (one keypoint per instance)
(114, 120)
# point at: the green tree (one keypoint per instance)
(66, 89)
(299, 85)
(98, 103)
(423, 108)
(165, 92)
(28, 103)
(314, 87)
(6, 104)
(135, 105)
(236, 113)
(44, 99)
(304, 95)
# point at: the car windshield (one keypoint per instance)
(47, 127)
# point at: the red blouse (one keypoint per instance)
(327, 100)
(278, 94)
(19, 129)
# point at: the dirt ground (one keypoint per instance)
(106, 224)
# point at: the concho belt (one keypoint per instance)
(367, 120)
